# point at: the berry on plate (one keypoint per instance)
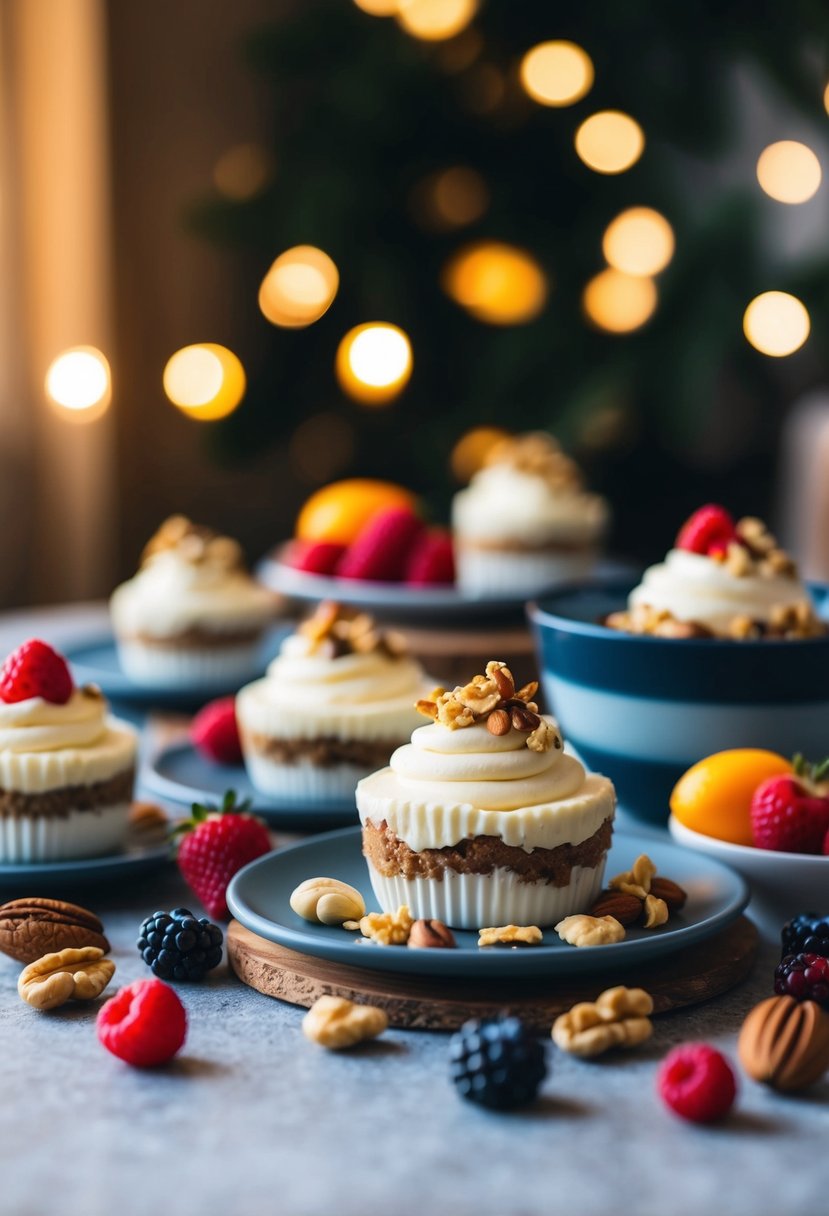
(178, 946)
(313, 556)
(215, 843)
(790, 813)
(339, 511)
(709, 531)
(714, 796)
(497, 1062)
(431, 561)
(697, 1083)
(805, 977)
(806, 933)
(34, 669)
(144, 1024)
(381, 550)
(214, 732)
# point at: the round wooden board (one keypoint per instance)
(689, 977)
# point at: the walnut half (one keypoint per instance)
(68, 975)
(619, 1017)
(581, 930)
(336, 1023)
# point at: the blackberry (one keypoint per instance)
(177, 946)
(497, 1062)
(807, 933)
(805, 977)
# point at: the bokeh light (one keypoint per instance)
(619, 302)
(205, 381)
(472, 449)
(299, 287)
(450, 199)
(435, 20)
(378, 8)
(639, 241)
(826, 99)
(557, 73)
(374, 362)
(497, 283)
(483, 88)
(789, 171)
(79, 383)
(610, 141)
(242, 172)
(321, 447)
(776, 323)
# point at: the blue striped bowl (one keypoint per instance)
(642, 710)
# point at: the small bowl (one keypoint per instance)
(642, 710)
(782, 884)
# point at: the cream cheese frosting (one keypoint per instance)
(506, 504)
(693, 587)
(449, 785)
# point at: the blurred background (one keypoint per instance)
(250, 248)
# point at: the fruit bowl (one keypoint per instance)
(782, 884)
(642, 710)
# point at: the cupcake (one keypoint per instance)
(525, 522)
(335, 703)
(722, 579)
(66, 767)
(483, 819)
(192, 615)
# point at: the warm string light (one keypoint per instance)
(79, 384)
(435, 20)
(378, 8)
(826, 99)
(450, 199)
(610, 141)
(639, 241)
(374, 362)
(472, 449)
(618, 302)
(205, 381)
(497, 283)
(789, 172)
(557, 73)
(299, 287)
(242, 172)
(776, 323)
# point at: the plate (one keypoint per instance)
(259, 898)
(180, 774)
(398, 599)
(95, 661)
(133, 861)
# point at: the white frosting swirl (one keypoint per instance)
(36, 725)
(170, 595)
(502, 503)
(693, 587)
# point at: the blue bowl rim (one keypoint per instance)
(541, 616)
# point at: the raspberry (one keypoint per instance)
(35, 670)
(177, 946)
(314, 556)
(431, 560)
(803, 976)
(709, 531)
(144, 1024)
(697, 1083)
(382, 548)
(807, 933)
(497, 1062)
(214, 732)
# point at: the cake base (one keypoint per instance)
(414, 1002)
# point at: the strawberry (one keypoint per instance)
(790, 812)
(214, 846)
(709, 531)
(214, 732)
(382, 547)
(313, 556)
(431, 560)
(35, 670)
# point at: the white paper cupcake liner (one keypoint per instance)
(208, 667)
(304, 781)
(476, 901)
(89, 833)
(501, 572)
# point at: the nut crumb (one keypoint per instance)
(388, 928)
(510, 935)
(581, 930)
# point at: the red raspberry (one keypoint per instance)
(697, 1082)
(214, 732)
(431, 560)
(803, 976)
(144, 1024)
(35, 670)
(709, 531)
(314, 556)
(382, 548)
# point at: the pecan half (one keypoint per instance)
(32, 927)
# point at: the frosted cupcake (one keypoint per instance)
(192, 615)
(66, 767)
(721, 579)
(335, 703)
(525, 521)
(483, 819)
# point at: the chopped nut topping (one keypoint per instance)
(637, 880)
(510, 935)
(194, 543)
(388, 928)
(491, 698)
(540, 455)
(617, 1018)
(335, 631)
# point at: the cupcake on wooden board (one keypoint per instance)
(525, 522)
(66, 767)
(192, 615)
(483, 819)
(335, 703)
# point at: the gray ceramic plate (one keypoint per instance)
(259, 897)
(179, 774)
(133, 861)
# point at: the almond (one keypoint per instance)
(524, 719)
(498, 722)
(504, 682)
(622, 907)
(785, 1043)
(672, 893)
